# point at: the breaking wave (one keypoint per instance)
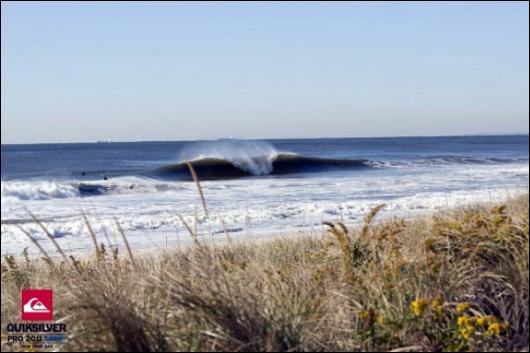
(280, 164)
(253, 157)
(225, 159)
(38, 190)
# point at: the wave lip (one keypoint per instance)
(252, 156)
(281, 164)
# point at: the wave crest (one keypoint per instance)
(254, 157)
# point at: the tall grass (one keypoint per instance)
(456, 281)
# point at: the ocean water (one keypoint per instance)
(258, 188)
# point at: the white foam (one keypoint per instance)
(48, 190)
(37, 190)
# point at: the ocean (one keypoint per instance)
(258, 189)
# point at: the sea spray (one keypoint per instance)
(254, 157)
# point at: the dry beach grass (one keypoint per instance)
(455, 280)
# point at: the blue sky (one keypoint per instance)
(170, 71)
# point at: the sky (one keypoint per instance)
(76, 72)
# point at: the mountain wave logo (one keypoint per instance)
(37, 304)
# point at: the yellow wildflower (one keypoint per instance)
(380, 319)
(418, 306)
(463, 321)
(482, 321)
(460, 308)
(437, 306)
(365, 314)
(494, 329)
(467, 332)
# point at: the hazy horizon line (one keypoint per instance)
(273, 138)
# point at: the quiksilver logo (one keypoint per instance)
(37, 304)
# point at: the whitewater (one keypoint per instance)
(146, 188)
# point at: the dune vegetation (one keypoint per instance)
(456, 280)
